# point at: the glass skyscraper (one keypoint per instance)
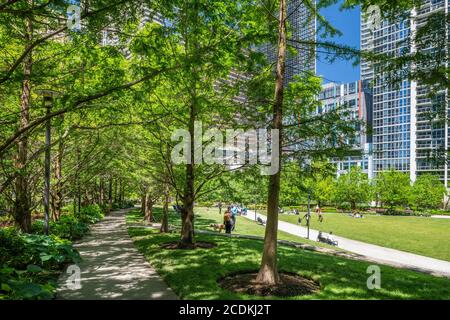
(302, 24)
(404, 138)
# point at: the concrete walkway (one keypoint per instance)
(372, 252)
(112, 268)
(440, 217)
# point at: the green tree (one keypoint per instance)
(428, 192)
(353, 188)
(393, 188)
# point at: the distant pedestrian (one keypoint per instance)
(234, 212)
(319, 213)
(227, 221)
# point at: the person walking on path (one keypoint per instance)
(234, 212)
(227, 221)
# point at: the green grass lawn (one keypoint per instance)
(207, 216)
(425, 236)
(193, 274)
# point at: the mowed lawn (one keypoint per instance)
(424, 236)
(193, 274)
(207, 216)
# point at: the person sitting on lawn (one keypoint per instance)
(227, 221)
(321, 238)
(331, 239)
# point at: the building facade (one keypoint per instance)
(356, 98)
(302, 24)
(404, 138)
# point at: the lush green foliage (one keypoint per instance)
(67, 227)
(393, 188)
(427, 192)
(90, 214)
(30, 264)
(353, 188)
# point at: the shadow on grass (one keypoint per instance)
(194, 274)
(135, 217)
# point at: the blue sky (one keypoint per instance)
(347, 22)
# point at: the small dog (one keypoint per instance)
(216, 227)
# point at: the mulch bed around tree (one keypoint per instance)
(290, 285)
(196, 245)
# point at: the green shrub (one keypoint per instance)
(90, 214)
(49, 252)
(29, 262)
(25, 285)
(67, 227)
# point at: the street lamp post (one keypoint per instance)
(307, 168)
(48, 103)
(309, 213)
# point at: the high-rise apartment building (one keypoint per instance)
(302, 23)
(404, 138)
(356, 99)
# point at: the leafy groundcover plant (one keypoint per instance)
(31, 263)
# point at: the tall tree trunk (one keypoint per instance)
(110, 194)
(148, 216)
(115, 191)
(101, 199)
(143, 203)
(187, 213)
(122, 193)
(119, 192)
(165, 217)
(22, 212)
(268, 273)
(77, 177)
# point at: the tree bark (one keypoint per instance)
(22, 212)
(148, 208)
(268, 273)
(110, 193)
(101, 199)
(115, 191)
(165, 217)
(187, 214)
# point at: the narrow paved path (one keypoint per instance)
(440, 217)
(374, 253)
(112, 268)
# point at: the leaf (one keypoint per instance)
(7, 271)
(34, 268)
(6, 287)
(45, 257)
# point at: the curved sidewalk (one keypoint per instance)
(112, 268)
(372, 252)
